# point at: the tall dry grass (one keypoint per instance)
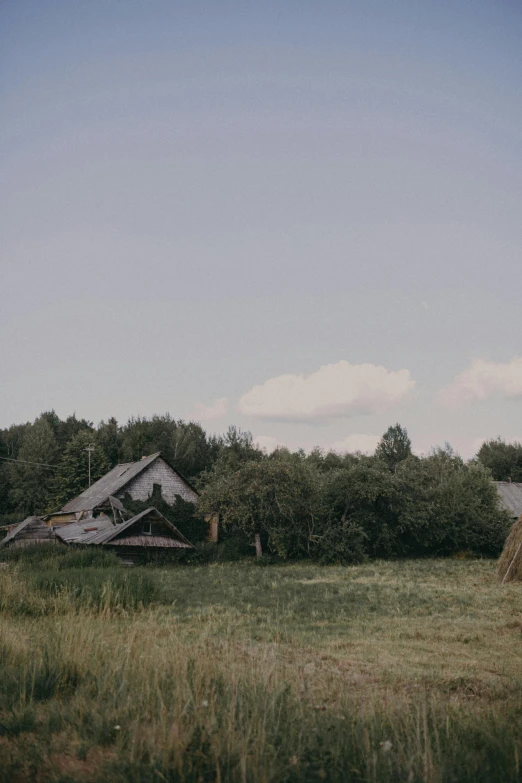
(101, 691)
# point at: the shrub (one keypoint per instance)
(342, 545)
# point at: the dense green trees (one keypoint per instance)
(56, 451)
(503, 459)
(72, 476)
(343, 510)
(328, 506)
(394, 446)
(31, 477)
(184, 444)
(275, 500)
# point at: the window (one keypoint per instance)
(146, 528)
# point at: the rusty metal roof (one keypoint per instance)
(510, 495)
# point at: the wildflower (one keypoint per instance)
(386, 746)
(204, 703)
(117, 728)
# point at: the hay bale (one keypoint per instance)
(510, 561)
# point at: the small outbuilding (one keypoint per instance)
(31, 531)
(149, 530)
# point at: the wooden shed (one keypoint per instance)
(32, 530)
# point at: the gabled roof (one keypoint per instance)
(106, 532)
(113, 482)
(510, 494)
(30, 522)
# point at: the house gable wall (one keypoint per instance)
(140, 487)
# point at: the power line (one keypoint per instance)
(24, 462)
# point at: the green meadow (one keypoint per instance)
(386, 671)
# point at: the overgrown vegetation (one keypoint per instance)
(45, 463)
(55, 579)
(359, 507)
(328, 507)
(183, 514)
(503, 459)
(380, 672)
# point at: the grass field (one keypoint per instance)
(406, 671)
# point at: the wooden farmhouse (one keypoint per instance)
(97, 516)
(138, 479)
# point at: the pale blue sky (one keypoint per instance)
(201, 197)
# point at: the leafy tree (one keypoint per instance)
(394, 446)
(5, 485)
(184, 445)
(331, 459)
(13, 437)
(31, 477)
(503, 459)
(73, 472)
(110, 440)
(270, 500)
(365, 496)
(232, 450)
(237, 446)
(64, 431)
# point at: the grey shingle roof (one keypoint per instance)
(84, 531)
(510, 495)
(102, 531)
(110, 484)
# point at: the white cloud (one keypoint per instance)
(217, 410)
(356, 442)
(483, 379)
(333, 391)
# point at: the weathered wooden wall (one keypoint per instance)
(35, 531)
(59, 519)
(140, 488)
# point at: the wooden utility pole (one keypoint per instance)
(89, 449)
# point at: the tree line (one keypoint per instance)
(45, 463)
(323, 505)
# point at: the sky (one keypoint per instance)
(303, 218)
